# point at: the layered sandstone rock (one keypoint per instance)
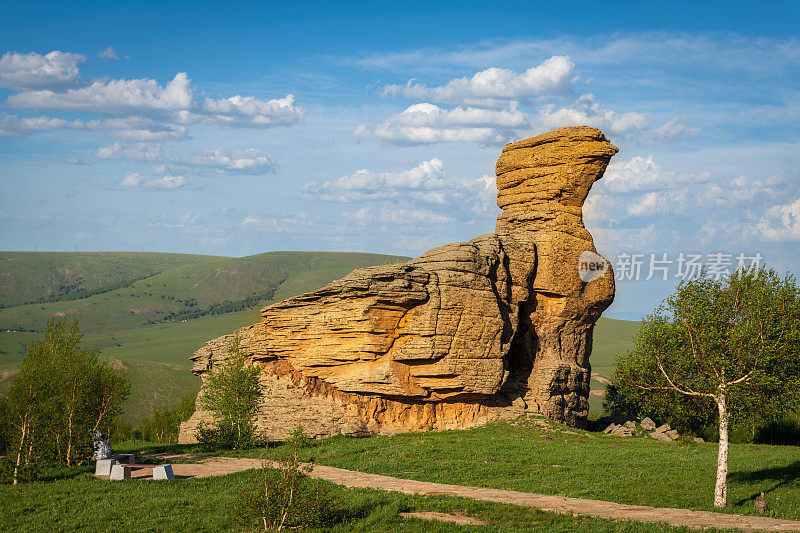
(464, 334)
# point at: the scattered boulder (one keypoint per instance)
(647, 424)
(628, 427)
(622, 431)
(658, 435)
(698, 440)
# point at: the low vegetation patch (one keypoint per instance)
(76, 500)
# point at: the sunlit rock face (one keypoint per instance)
(464, 334)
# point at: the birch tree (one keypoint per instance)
(62, 394)
(231, 393)
(732, 342)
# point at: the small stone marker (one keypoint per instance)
(648, 424)
(103, 467)
(163, 472)
(119, 472)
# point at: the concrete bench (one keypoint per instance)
(120, 471)
(103, 466)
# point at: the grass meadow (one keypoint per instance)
(518, 455)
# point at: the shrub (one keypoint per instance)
(231, 393)
(164, 424)
(282, 496)
(300, 438)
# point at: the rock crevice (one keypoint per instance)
(466, 333)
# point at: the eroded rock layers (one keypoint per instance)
(466, 333)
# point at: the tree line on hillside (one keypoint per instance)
(71, 292)
(221, 308)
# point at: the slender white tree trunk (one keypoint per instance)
(721, 488)
(69, 442)
(23, 429)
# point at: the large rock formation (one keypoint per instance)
(466, 333)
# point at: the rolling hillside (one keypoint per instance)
(28, 277)
(151, 325)
(610, 338)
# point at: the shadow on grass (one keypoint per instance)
(777, 477)
(59, 473)
(153, 448)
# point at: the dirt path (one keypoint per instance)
(217, 466)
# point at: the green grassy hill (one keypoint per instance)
(27, 277)
(154, 324)
(611, 337)
(185, 292)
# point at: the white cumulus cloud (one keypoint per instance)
(553, 76)
(781, 223)
(674, 131)
(249, 111)
(127, 128)
(56, 70)
(167, 183)
(427, 183)
(109, 53)
(586, 112)
(112, 97)
(426, 123)
(206, 162)
(52, 82)
(131, 179)
(641, 173)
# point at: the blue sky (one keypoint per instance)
(246, 127)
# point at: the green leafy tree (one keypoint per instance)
(730, 344)
(164, 425)
(62, 394)
(231, 393)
